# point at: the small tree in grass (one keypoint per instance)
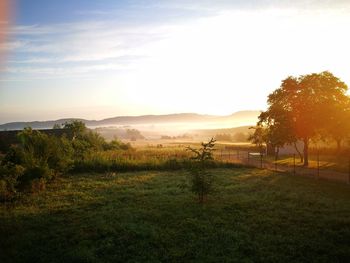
(201, 179)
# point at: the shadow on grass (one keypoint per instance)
(253, 216)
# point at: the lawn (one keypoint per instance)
(253, 216)
(326, 162)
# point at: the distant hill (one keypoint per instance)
(240, 118)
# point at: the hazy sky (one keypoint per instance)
(97, 59)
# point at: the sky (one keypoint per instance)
(97, 59)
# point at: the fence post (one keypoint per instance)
(318, 164)
(294, 163)
(276, 162)
(248, 157)
(349, 172)
(261, 160)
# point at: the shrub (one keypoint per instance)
(41, 157)
(116, 144)
(60, 159)
(201, 180)
(9, 176)
(32, 174)
(37, 185)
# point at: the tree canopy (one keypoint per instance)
(304, 107)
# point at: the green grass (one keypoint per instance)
(326, 162)
(253, 216)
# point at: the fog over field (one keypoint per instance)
(172, 124)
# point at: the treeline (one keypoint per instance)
(228, 137)
(38, 158)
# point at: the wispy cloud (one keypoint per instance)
(65, 70)
(94, 12)
(12, 45)
(196, 51)
(65, 46)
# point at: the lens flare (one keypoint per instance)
(5, 22)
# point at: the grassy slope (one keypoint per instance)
(254, 216)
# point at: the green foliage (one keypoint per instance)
(254, 216)
(34, 174)
(303, 108)
(258, 137)
(204, 153)
(201, 180)
(76, 128)
(57, 126)
(9, 176)
(42, 157)
(85, 141)
(134, 134)
(61, 157)
(116, 144)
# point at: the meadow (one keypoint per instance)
(253, 215)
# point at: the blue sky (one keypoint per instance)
(97, 59)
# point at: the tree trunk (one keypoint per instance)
(338, 145)
(306, 152)
(277, 152)
(300, 155)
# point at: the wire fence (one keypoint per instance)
(317, 169)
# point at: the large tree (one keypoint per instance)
(304, 106)
(339, 126)
(278, 126)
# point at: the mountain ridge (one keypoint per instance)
(136, 120)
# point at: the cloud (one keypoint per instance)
(94, 12)
(65, 70)
(64, 47)
(12, 45)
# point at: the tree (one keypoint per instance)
(134, 134)
(258, 137)
(339, 126)
(76, 128)
(278, 129)
(41, 156)
(201, 180)
(302, 107)
(57, 126)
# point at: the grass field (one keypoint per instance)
(326, 162)
(253, 216)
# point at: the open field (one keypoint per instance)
(325, 162)
(253, 216)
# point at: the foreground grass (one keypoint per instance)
(254, 216)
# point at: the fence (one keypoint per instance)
(288, 163)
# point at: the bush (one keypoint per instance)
(33, 174)
(37, 185)
(41, 158)
(201, 180)
(116, 145)
(9, 179)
